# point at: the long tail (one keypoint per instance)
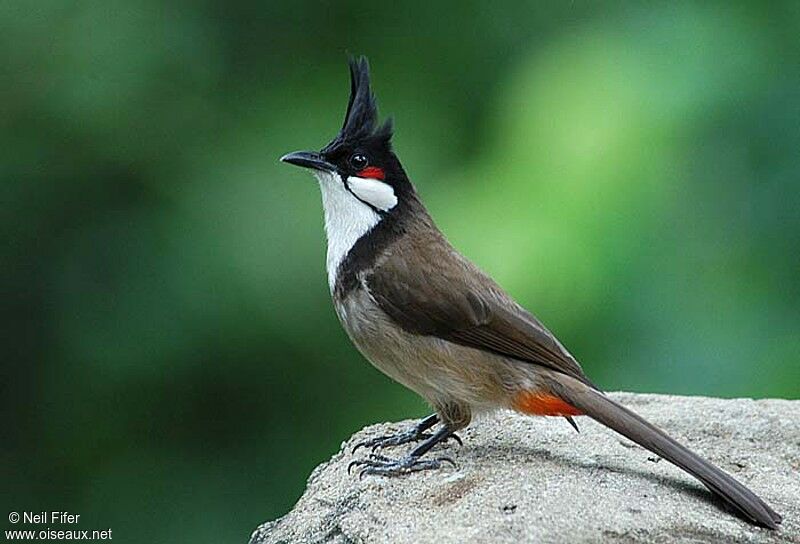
(604, 410)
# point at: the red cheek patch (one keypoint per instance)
(371, 172)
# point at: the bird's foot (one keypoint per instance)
(380, 465)
(414, 434)
(396, 439)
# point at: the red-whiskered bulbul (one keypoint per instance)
(427, 317)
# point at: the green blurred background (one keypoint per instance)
(173, 368)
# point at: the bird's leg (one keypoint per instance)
(414, 434)
(413, 462)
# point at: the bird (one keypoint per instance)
(427, 317)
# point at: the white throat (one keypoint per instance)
(347, 217)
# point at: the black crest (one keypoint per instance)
(361, 119)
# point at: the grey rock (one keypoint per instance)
(526, 479)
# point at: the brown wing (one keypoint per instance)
(432, 290)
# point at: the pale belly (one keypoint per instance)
(438, 370)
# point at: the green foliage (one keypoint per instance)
(174, 368)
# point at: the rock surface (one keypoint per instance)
(522, 479)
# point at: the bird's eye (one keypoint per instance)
(358, 161)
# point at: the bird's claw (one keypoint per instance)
(380, 465)
(399, 439)
(392, 440)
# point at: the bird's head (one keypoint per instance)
(359, 161)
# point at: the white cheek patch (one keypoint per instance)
(346, 220)
(377, 193)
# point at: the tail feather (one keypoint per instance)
(604, 410)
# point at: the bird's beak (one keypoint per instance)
(308, 159)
